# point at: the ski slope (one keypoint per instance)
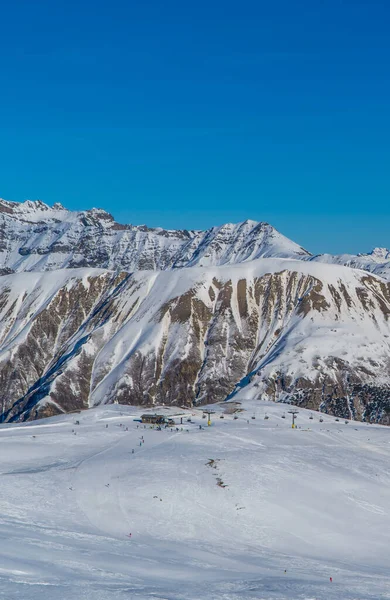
(313, 502)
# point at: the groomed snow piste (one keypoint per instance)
(245, 509)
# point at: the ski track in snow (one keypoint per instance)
(314, 501)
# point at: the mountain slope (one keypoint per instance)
(316, 335)
(299, 506)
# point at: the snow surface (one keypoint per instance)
(312, 501)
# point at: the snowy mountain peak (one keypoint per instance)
(37, 237)
(58, 206)
(31, 210)
(378, 254)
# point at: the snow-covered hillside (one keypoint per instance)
(287, 330)
(247, 509)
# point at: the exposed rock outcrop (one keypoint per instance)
(293, 331)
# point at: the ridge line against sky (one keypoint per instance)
(189, 116)
(319, 222)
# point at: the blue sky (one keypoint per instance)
(191, 114)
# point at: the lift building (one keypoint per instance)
(156, 420)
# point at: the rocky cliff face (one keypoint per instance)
(286, 330)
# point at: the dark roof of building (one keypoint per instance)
(154, 416)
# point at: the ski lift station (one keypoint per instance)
(155, 419)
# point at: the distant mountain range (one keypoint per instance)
(92, 311)
(35, 237)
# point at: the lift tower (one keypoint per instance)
(209, 413)
(293, 413)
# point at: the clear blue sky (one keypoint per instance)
(191, 114)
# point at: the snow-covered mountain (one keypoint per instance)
(92, 311)
(288, 330)
(377, 261)
(36, 237)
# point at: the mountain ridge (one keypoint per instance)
(92, 311)
(56, 237)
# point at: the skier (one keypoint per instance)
(330, 579)
(129, 535)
